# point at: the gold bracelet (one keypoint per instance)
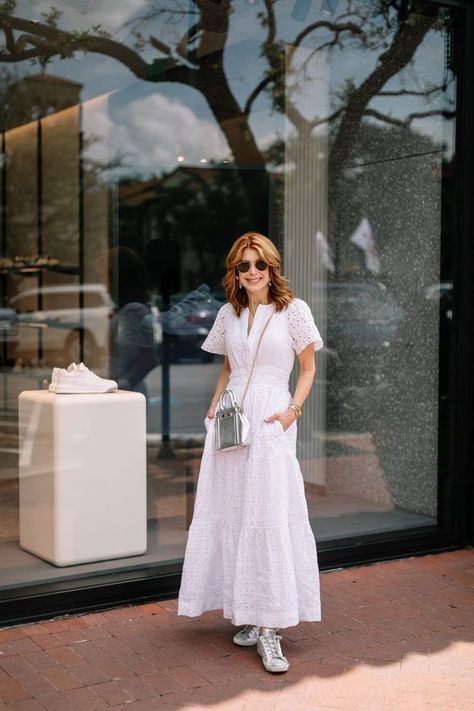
(295, 410)
(298, 406)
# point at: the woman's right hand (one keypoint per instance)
(212, 410)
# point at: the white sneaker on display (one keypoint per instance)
(269, 648)
(247, 636)
(55, 373)
(82, 380)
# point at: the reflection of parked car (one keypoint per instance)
(363, 321)
(188, 321)
(8, 326)
(60, 319)
(361, 316)
(8, 333)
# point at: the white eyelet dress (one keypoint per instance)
(250, 550)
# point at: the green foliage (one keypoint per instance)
(52, 17)
(7, 8)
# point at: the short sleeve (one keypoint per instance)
(301, 326)
(215, 339)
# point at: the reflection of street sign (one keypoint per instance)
(328, 7)
(163, 264)
(325, 251)
(363, 237)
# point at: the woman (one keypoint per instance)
(250, 549)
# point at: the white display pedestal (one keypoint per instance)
(82, 476)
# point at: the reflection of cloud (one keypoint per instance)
(111, 16)
(268, 140)
(151, 133)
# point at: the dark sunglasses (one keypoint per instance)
(244, 266)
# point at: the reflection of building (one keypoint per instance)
(48, 231)
(37, 96)
(383, 453)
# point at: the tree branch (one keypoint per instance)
(271, 23)
(425, 114)
(269, 45)
(333, 26)
(405, 42)
(411, 92)
(68, 42)
(328, 119)
(406, 123)
(9, 38)
(36, 53)
(384, 117)
(256, 91)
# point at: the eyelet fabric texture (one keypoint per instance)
(251, 551)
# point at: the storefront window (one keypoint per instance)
(139, 139)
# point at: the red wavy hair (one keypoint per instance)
(279, 292)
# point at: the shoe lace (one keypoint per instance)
(248, 628)
(272, 644)
(82, 368)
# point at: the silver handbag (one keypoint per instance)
(232, 426)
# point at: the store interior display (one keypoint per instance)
(35, 261)
(79, 379)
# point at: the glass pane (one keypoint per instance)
(139, 140)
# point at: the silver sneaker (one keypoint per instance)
(269, 648)
(247, 636)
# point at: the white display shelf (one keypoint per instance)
(82, 473)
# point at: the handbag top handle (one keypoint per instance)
(227, 395)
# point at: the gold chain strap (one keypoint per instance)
(254, 361)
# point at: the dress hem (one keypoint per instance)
(243, 618)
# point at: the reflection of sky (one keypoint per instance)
(150, 124)
(81, 15)
(149, 129)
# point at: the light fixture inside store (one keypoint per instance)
(180, 159)
(203, 160)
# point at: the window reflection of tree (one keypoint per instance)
(389, 32)
(393, 30)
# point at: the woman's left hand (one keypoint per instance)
(286, 418)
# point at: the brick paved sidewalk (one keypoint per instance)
(396, 635)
